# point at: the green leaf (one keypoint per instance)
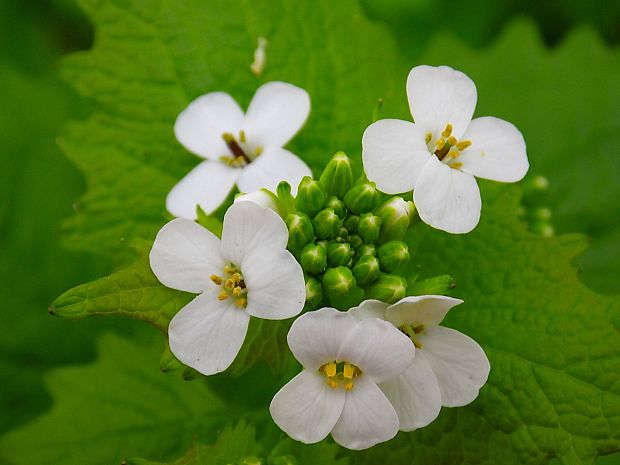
(118, 406)
(149, 63)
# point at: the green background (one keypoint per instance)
(39, 186)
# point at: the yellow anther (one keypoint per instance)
(216, 279)
(439, 144)
(452, 140)
(330, 369)
(223, 295)
(348, 371)
(453, 153)
(456, 165)
(242, 136)
(230, 284)
(236, 277)
(241, 302)
(332, 383)
(237, 291)
(258, 151)
(447, 131)
(429, 136)
(463, 144)
(348, 385)
(229, 269)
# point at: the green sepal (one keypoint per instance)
(326, 224)
(438, 285)
(352, 222)
(313, 258)
(362, 198)
(314, 294)
(339, 254)
(366, 270)
(392, 255)
(337, 177)
(395, 214)
(286, 201)
(300, 230)
(367, 249)
(168, 361)
(310, 196)
(337, 205)
(356, 241)
(388, 288)
(209, 222)
(369, 227)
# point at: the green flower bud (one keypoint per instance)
(326, 224)
(352, 222)
(300, 230)
(285, 200)
(388, 288)
(337, 177)
(367, 249)
(395, 215)
(439, 285)
(366, 270)
(362, 198)
(356, 241)
(314, 294)
(337, 205)
(313, 259)
(343, 234)
(339, 254)
(310, 196)
(338, 281)
(369, 227)
(392, 255)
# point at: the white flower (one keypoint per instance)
(337, 390)
(245, 150)
(449, 368)
(247, 273)
(440, 154)
(263, 197)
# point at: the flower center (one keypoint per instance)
(412, 332)
(232, 285)
(447, 148)
(241, 152)
(340, 373)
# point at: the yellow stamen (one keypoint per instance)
(216, 279)
(236, 277)
(447, 131)
(348, 371)
(229, 284)
(258, 151)
(330, 369)
(452, 140)
(453, 153)
(229, 269)
(429, 136)
(223, 295)
(456, 165)
(241, 303)
(463, 144)
(332, 384)
(242, 136)
(439, 144)
(348, 385)
(237, 291)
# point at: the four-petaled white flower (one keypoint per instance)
(247, 273)
(337, 390)
(439, 155)
(449, 368)
(245, 150)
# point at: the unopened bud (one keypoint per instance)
(392, 255)
(367, 249)
(352, 222)
(387, 288)
(313, 259)
(310, 196)
(326, 224)
(339, 254)
(337, 177)
(369, 227)
(314, 294)
(362, 198)
(439, 285)
(356, 241)
(338, 281)
(395, 215)
(300, 230)
(366, 270)
(337, 205)
(286, 201)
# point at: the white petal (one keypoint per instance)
(184, 255)
(369, 309)
(247, 226)
(270, 168)
(206, 185)
(394, 153)
(207, 333)
(367, 419)
(497, 151)
(275, 283)
(315, 337)
(428, 310)
(447, 198)
(441, 95)
(306, 408)
(377, 348)
(276, 113)
(459, 363)
(200, 126)
(262, 197)
(414, 394)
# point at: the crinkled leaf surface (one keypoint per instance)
(119, 406)
(553, 345)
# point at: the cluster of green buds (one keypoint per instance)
(347, 236)
(533, 211)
